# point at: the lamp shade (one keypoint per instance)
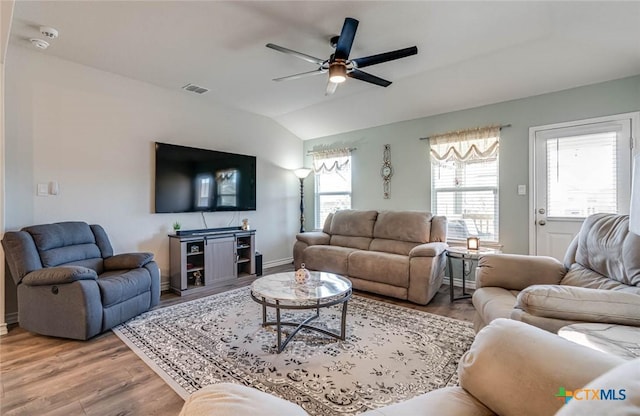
(302, 172)
(634, 211)
(473, 243)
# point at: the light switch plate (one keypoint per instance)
(522, 189)
(43, 189)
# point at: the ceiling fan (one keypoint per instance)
(339, 66)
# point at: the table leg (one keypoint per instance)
(343, 322)
(279, 327)
(450, 278)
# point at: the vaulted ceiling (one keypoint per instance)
(470, 53)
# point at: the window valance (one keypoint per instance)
(331, 160)
(479, 143)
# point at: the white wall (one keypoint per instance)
(93, 132)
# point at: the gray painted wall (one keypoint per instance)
(410, 185)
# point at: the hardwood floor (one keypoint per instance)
(51, 376)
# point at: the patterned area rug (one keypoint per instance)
(391, 353)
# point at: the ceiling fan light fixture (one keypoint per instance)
(337, 72)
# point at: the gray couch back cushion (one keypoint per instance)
(411, 226)
(65, 243)
(606, 246)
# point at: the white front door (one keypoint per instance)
(578, 169)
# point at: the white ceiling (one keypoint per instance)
(470, 53)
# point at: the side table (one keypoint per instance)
(468, 258)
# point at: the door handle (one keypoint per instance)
(541, 211)
(542, 222)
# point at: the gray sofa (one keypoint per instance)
(512, 369)
(394, 253)
(71, 285)
(598, 282)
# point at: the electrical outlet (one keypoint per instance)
(42, 189)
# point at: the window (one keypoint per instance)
(332, 183)
(582, 175)
(464, 174)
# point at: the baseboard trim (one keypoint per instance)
(3, 329)
(457, 282)
(11, 318)
(280, 262)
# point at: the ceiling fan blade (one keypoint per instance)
(385, 57)
(363, 76)
(301, 75)
(343, 48)
(331, 88)
(297, 54)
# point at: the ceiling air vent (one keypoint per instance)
(195, 88)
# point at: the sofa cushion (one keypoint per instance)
(606, 246)
(119, 285)
(411, 226)
(580, 276)
(332, 259)
(392, 269)
(361, 243)
(580, 304)
(392, 246)
(64, 242)
(353, 223)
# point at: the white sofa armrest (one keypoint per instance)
(530, 364)
(580, 304)
(227, 399)
(516, 271)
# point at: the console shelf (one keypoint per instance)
(203, 259)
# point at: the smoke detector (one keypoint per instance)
(39, 43)
(49, 32)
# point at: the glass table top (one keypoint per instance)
(283, 287)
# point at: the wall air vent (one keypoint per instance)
(195, 88)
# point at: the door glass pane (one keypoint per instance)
(581, 175)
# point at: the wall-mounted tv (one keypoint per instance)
(192, 180)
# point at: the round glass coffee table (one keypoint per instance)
(281, 292)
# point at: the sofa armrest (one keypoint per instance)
(530, 364)
(446, 401)
(127, 261)
(227, 399)
(580, 304)
(516, 271)
(314, 238)
(428, 250)
(58, 275)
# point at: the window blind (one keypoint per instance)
(581, 175)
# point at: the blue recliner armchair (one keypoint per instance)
(71, 285)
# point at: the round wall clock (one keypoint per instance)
(386, 171)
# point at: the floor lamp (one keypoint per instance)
(302, 173)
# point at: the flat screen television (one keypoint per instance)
(193, 180)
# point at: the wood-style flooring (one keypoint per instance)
(51, 376)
